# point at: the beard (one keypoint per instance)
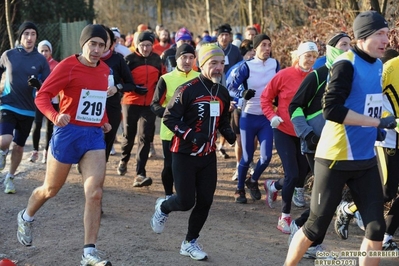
(216, 79)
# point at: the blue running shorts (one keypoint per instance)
(68, 144)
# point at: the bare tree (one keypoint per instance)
(9, 22)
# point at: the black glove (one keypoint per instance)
(35, 83)
(381, 134)
(311, 140)
(229, 135)
(248, 94)
(140, 90)
(387, 122)
(197, 138)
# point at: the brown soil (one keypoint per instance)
(234, 234)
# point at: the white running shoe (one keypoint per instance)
(284, 225)
(24, 232)
(293, 229)
(34, 156)
(359, 220)
(299, 197)
(271, 197)
(93, 259)
(9, 185)
(193, 249)
(3, 157)
(159, 218)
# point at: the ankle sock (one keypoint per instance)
(88, 249)
(26, 217)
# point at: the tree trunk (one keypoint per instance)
(9, 22)
(208, 16)
(159, 12)
(250, 13)
(375, 5)
(384, 7)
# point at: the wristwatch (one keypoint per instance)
(119, 86)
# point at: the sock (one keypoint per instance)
(26, 217)
(387, 237)
(220, 146)
(9, 176)
(88, 249)
(285, 215)
(347, 210)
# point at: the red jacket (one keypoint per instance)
(145, 72)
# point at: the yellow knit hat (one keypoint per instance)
(207, 51)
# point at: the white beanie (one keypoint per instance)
(306, 47)
(47, 43)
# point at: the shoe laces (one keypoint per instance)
(161, 217)
(194, 246)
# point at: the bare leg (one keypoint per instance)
(368, 245)
(5, 141)
(56, 174)
(16, 157)
(238, 149)
(93, 171)
(299, 244)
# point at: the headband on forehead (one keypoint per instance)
(306, 47)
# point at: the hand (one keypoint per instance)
(275, 122)
(229, 135)
(248, 94)
(106, 128)
(111, 91)
(311, 140)
(197, 138)
(387, 122)
(140, 90)
(62, 120)
(35, 83)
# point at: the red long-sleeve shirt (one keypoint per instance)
(283, 85)
(68, 80)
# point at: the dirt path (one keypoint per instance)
(233, 235)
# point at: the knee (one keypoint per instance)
(315, 228)
(187, 204)
(17, 147)
(94, 194)
(265, 160)
(48, 192)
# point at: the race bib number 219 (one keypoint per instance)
(91, 106)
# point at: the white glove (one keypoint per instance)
(275, 122)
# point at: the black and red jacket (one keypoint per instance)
(145, 72)
(189, 109)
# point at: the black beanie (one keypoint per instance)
(24, 26)
(91, 31)
(259, 38)
(146, 36)
(246, 45)
(335, 39)
(225, 28)
(368, 22)
(185, 48)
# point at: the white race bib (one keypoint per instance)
(215, 109)
(373, 105)
(91, 106)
